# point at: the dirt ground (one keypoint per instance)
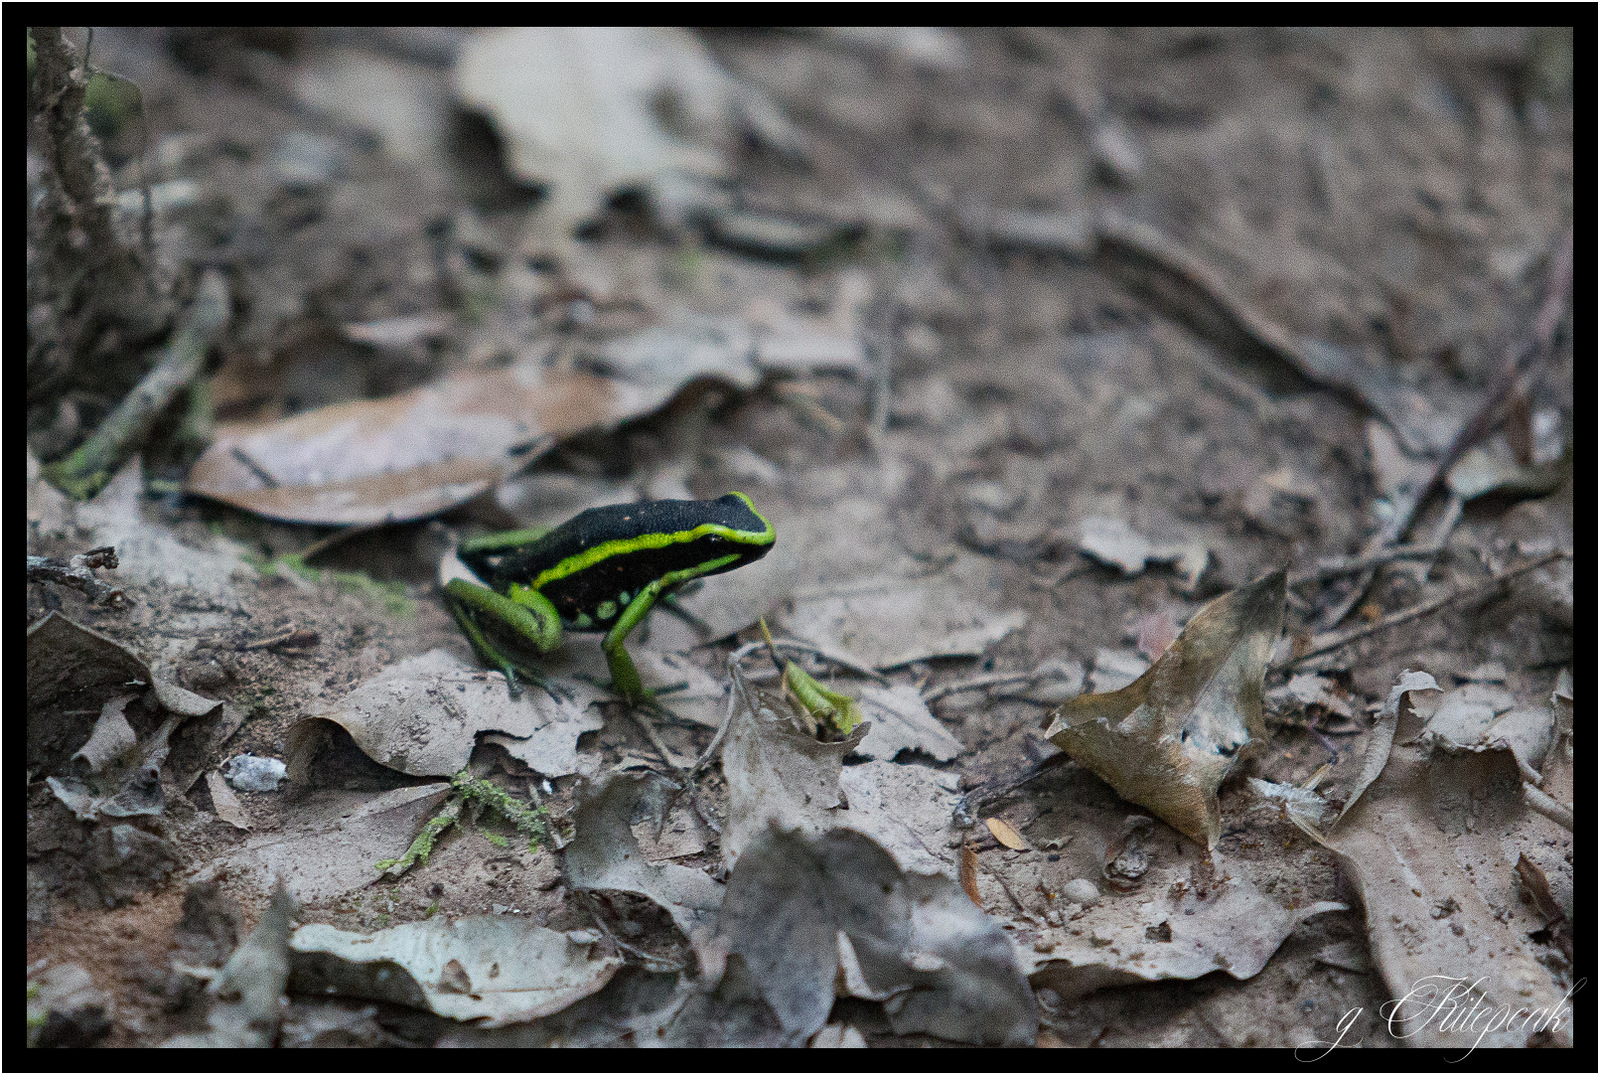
(1398, 197)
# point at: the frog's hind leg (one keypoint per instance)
(467, 601)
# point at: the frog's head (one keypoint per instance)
(733, 525)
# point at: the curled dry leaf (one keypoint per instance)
(425, 715)
(604, 855)
(421, 452)
(969, 875)
(780, 775)
(1007, 835)
(581, 111)
(1425, 847)
(494, 970)
(1382, 738)
(1169, 739)
(251, 984)
(107, 766)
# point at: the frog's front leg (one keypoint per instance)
(526, 613)
(624, 676)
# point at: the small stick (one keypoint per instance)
(832, 656)
(1540, 803)
(651, 734)
(996, 679)
(1332, 567)
(88, 469)
(1520, 359)
(1335, 640)
(78, 572)
(716, 740)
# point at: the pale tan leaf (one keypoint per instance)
(1006, 834)
(1168, 739)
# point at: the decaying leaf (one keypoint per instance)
(225, 802)
(1425, 847)
(424, 715)
(406, 456)
(906, 809)
(581, 110)
(491, 969)
(420, 452)
(1169, 739)
(121, 775)
(1346, 955)
(148, 551)
(1207, 919)
(775, 771)
(1381, 741)
(107, 765)
(1477, 717)
(251, 984)
(789, 897)
(1114, 542)
(332, 843)
(604, 855)
(890, 619)
(778, 774)
(1493, 468)
(901, 721)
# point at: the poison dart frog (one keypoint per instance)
(601, 570)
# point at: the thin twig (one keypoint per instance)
(1438, 536)
(87, 470)
(831, 656)
(1520, 359)
(980, 797)
(654, 737)
(685, 772)
(1541, 803)
(78, 572)
(666, 965)
(978, 683)
(1326, 643)
(716, 740)
(1331, 567)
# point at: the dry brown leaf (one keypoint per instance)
(1006, 834)
(969, 874)
(1169, 739)
(405, 456)
(1381, 741)
(1431, 924)
(1537, 886)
